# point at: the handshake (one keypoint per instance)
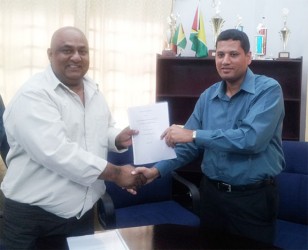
(132, 178)
(129, 177)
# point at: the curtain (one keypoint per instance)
(124, 38)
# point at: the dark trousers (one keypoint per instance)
(249, 213)
(30, 227)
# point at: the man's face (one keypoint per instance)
(231, 61)
(69, 56)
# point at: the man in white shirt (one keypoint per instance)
(59, 129)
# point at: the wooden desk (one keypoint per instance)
(183, 237)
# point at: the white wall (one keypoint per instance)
(252, 12)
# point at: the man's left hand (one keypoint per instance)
(124, 139)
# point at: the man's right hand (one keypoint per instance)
(149, 173)
(123, 177)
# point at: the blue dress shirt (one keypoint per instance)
(239, 137)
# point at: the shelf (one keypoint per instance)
(181, 80)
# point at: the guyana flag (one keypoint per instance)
(197, 36)
(179, 38)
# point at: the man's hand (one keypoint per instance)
(123, 177)
(149, 173)
(124, 139)
(177, 134)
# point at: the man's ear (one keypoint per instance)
(249, 57)
(49, 53)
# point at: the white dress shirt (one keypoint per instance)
(58, 146)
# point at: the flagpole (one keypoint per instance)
(199, 14)
(173, 46)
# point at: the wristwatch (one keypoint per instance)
(194, 134)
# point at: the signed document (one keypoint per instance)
(151, 121)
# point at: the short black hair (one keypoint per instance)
(235, 35)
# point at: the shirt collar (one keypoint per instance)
(248, 85)
(90, 86)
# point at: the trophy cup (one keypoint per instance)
(217, 23)
(261, 39)
(239, 25)
(284, 33)
(170, 50)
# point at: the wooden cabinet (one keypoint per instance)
(181, 80)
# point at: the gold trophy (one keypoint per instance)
(217, 23)
(284, 33)
(170, 49)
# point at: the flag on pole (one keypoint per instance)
(179, 38)
(197, 36)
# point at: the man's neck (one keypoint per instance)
(79, 90)
(231, 89)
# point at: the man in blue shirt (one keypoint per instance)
(237, 126)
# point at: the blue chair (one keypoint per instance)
(292, 224)
(155, 203)
(4, 146)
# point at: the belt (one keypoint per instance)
(225, 187)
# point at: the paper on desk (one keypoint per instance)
(99, 241)
(151, 121)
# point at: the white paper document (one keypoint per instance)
(99, 241)
(151, 121)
